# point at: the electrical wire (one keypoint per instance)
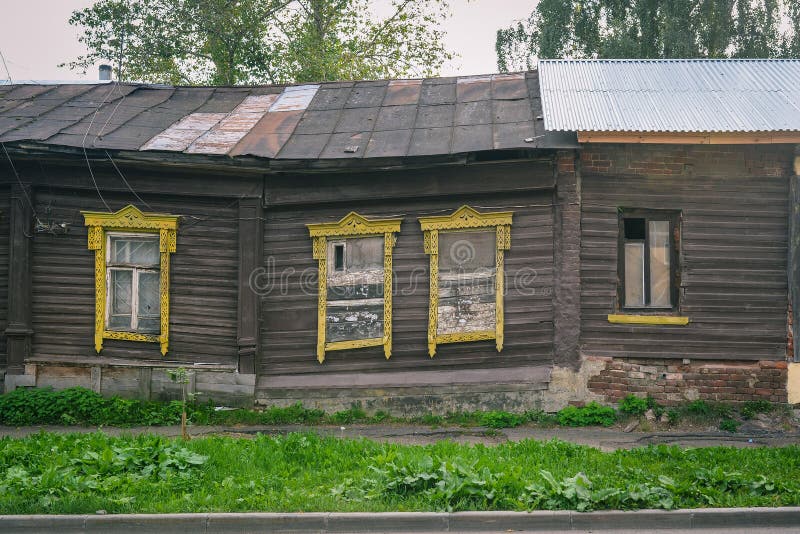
(19, 180)
(128, 185)
(86, 155)
(5, 65)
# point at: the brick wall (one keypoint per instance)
(671, 381)
(671, 160)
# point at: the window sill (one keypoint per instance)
(648, 319)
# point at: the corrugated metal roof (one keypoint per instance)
(671, 95)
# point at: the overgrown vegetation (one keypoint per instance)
(80, 406)
(589, 415)
(52, 473)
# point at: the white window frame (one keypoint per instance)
(135, 271)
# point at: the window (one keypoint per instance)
(466, 252)
(133, 284)
(132, 251)
(355, 283)
(648, 259)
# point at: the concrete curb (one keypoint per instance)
(323, 522)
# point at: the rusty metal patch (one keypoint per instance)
(472, 88)
(402, 92)
(391, 143)
(266, 138)
(509, 86)
(229, 131)
(183, 133)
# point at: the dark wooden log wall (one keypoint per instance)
(289, 329)
(203, 288)
(733, 255)
(5, 197)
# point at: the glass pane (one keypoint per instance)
(467, 262)
(634, 274)
(149, 302)
(659, 263)
(120, 298)
(135, 251)
(364, 253)
(355, 289)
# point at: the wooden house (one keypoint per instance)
(413, 245)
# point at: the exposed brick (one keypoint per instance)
(667, 380)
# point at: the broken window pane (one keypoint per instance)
(466, 282)
(659, 263)
(338, 256)
(634, 274)
(355, 291)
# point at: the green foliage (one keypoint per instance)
(590, 415)
(651, 29)
(261, 41)
(353, 415)
(291, 415)
(82, 473)
(48, 469)
(729, 425)
(698, 407)
(633, 405)
(446, 485)
(497, 419)
(750, 409)
(35, 406)
(428, 419)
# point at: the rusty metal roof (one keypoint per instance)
(338, 120)
(671, 95)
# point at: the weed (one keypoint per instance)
(498, 419)
(294, 414)
(633, 405)
(346, 417)
(381, 417)
(750, 409)
(698, 407)
(429, 419)
(592, 414)
(540, 417)
(674, 415)
(729, 425)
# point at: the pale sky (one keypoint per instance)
(35, 36)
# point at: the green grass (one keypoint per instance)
(53, 473)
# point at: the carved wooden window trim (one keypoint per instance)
(465, 218)
(132, 221)
(353, 225)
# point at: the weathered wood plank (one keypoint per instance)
(733, 257)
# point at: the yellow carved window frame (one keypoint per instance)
(132, 220)
(465, 218)
(353, 225)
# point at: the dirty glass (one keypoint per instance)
(467, 265)
(355, 289)
(659, 263)
(149, 302)
(121, 283)
(634, 274)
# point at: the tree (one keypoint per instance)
(261, 41)
(651, 29)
